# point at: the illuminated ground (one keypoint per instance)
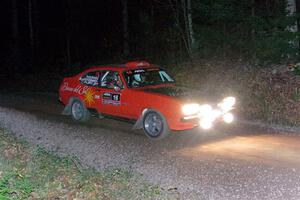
(241, 162)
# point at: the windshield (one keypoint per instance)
(145, 77)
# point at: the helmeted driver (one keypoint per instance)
(138, 79)
(115, 80)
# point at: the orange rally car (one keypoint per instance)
(142, 92)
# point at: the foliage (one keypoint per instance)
(296, 69)
(270, 94)
(33, 173)
(257, 31)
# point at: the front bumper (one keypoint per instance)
(204, 122)
(205, 116)
(209, 119)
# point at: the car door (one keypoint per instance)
(131, 102)
(108, 95)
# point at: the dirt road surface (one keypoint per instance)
(237, 162)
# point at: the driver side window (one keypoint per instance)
(110, 79)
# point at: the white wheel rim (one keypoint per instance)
(153, 124)
(77, 110)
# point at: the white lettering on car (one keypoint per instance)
(78, 89)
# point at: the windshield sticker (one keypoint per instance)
(139, 70)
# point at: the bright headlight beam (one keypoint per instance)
(206, 124)
(229, 101)
(228, 118)
(205, 108)
(227, 104)
(190, 109)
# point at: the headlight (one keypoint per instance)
(190, 109)
(228, 118)
(227, 104)
(205, 109)
(206, 124)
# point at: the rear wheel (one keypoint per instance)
(155, 125)
(79, 111)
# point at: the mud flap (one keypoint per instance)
(67, 110)
(138, 124)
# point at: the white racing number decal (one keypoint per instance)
(116, 97)
(112, 99)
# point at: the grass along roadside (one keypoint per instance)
(28, 172)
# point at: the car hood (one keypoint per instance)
(182, 93)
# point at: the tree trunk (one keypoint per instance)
(190, 25)
(224, 45)
(291, 9)
(176, 10)
(186, 24)
(125, 29)
(30, 25)
(15, 51)
(15, 21)
(253, 36)
(253, 15)
(35, 19)
(31, 35)
(298, 21)
(68, 22)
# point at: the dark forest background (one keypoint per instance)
(245, 48)
(60, 34)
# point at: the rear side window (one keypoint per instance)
(104, 79)
(91, 78)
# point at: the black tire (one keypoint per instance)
(155, 125)
(79, 111)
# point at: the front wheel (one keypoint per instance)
(155, 125)
(79, 111)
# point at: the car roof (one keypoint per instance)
(124, 67)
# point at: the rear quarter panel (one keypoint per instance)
(68, 89)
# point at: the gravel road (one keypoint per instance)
(240, 162)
